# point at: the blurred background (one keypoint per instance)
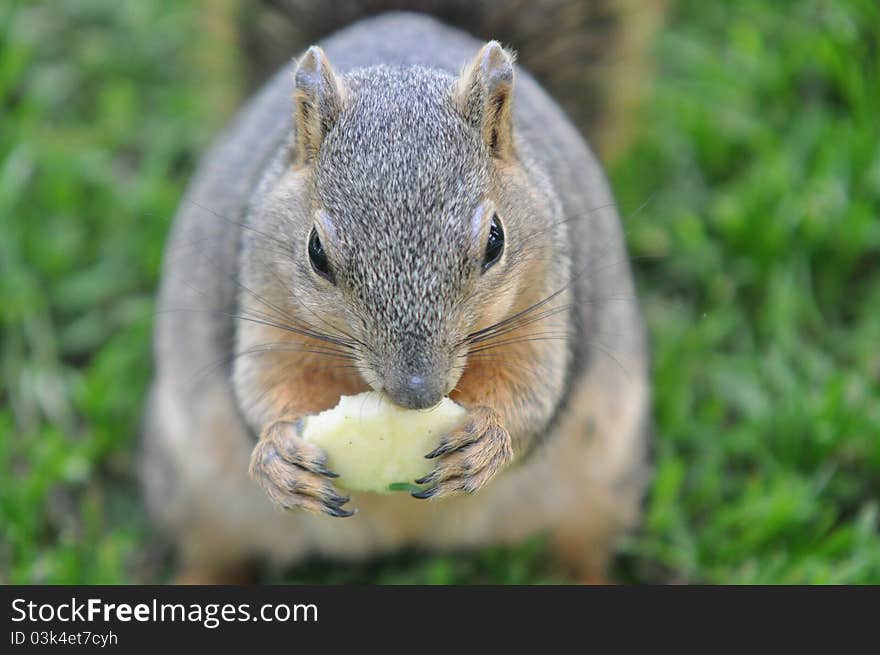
(749, 184)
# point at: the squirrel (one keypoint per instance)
(401, 209)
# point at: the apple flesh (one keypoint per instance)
(375, 445)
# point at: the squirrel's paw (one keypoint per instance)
(293, 472)
(468, 457)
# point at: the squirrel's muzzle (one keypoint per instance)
(416, 389)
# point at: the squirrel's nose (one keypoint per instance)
(416, 391)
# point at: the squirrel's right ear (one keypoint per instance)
(318, 98)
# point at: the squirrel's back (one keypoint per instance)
(592, 55)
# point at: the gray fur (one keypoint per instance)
(385, 175)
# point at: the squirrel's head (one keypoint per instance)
(410, 211)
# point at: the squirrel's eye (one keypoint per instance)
(495, 244)
(318, 257)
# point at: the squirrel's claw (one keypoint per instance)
(293, 472)
(323, 470)
(425, 494)
(469, 457)
(339, 512)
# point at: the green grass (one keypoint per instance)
(751, 197)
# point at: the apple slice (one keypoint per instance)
(375, 445)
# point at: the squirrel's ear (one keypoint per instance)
(484, 94)
(318, 98)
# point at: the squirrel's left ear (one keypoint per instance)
(484, 95)
(318, 97)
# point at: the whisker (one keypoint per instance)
(277, 314)
(569, 219)
(266, 320)
(519, 340)
(352, 339)
(245, 226)
(604, 349)
(280, 346)
(282, 314)
(470, 337)
(522, 323)
(284, 249)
